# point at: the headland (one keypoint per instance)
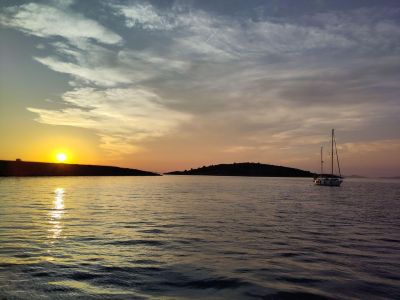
(27, 168)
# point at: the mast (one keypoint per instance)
(322, 162)
(333, 133)
(337, 158)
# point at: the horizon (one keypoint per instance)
(167, 86)
(206, 166)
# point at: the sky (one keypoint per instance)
(172, 85)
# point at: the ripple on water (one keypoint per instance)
(290, 296)
(209, 283)
(153, 243)
(198, 238)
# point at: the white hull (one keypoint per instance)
(328, 181)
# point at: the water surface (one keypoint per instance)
(198, 237)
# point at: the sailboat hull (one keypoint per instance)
(327, 181)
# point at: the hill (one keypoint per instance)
(245, 169)
(24, 168)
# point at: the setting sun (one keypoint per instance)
(61, 157)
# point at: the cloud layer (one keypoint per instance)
(256, 82)
(122, 117)
(51, 21)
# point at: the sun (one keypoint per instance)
(61, 157)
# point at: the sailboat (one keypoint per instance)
(330, 179)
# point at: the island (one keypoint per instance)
(245, 169)
(25, 168)
(390, 177)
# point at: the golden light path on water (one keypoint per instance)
(55, 233)
(56, 214)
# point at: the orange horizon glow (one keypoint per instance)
(363, 159)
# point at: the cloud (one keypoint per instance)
(145, 16)
(369, 29)
(95, 64)
(373, 146)
(226, 37)
(121, 117)
(52, 21)
(99, 75)
(246, 84)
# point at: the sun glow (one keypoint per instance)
(61, 157)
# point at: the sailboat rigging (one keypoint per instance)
(330, 179)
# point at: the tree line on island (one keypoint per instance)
(245, 169)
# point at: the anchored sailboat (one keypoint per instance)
(330, 179)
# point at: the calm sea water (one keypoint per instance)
(198, 238)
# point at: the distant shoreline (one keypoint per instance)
(246, 169)
(19, 168)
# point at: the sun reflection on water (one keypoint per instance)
(56, 214)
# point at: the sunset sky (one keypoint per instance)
(171, 85)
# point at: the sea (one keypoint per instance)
(198, 237)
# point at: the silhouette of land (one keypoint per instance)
(24, 168)
(245, 169)
(354, 176)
